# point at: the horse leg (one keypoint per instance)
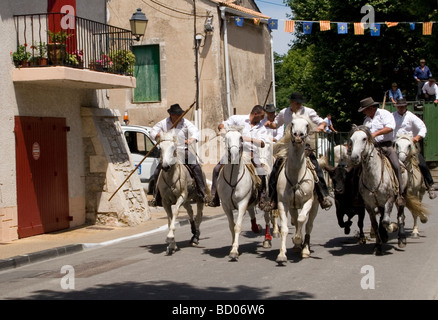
(360, 218)
(254, 226)
(305, 253)
(298, 237)
(172, 214)
(268, 238)
(234, 253)
(275, 229)
(194, 241)
(282, 258)
(415, 232)
(375, 228)
(401, 227)
(294, 221)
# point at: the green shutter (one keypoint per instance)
(147, 72)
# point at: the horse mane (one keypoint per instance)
(281, 147)
(363, 128)
(234, 128)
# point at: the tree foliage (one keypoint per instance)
(337, 71)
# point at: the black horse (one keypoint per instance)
(348, 201)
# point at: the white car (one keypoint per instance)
(139, 143)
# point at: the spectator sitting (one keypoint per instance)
(394, 93)
(430, 90)
(329, 124)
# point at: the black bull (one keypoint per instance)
(347, 198)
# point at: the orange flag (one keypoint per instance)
(391, 24)
(427, 28)
(256, 21)
(289, 26)
(324, 25)
(358, 28)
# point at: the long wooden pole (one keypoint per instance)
(147, 155)
(267, 96)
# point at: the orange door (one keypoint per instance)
(42, 177)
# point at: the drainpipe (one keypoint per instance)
(273, 70)
(227, 66)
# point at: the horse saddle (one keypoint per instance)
(257, 182)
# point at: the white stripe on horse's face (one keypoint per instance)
(299, 129)
(233, 142)
(404, 147)
(168, 153)
(358, 144)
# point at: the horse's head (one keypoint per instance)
(360, 140)
(234, 143)
(405, 147)
(300, 128)
(168, 148)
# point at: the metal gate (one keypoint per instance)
(42, 177)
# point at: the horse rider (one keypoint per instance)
(277, 133)
(284, 118)
(406, 122)
(254, 137)
(187, 134)
(382, 124)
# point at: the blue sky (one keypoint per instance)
(277, 10)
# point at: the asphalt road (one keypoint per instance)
(339, 267)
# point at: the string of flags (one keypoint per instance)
(342, 27)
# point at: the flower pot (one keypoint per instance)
(56, 53)
(96, 66)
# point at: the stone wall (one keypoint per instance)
(107, 165)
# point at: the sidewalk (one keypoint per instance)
(42, 247)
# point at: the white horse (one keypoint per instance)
(295, 187)
(236, 188)
(408, 154)
(176, 187)
(378, 186)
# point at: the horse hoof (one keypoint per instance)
(415, 235)
(347, 230)
(267, 244)
(402, 242)
(256, 228)
(296, 248)
(423, 219)
(362, 240)
(281, 260)
(170, 240)
(170, 251)
(194, 241)
(276, 235)
(378, 250)
(234, 256)
(305, 255)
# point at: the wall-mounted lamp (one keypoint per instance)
(208, 25)
(198, 40)
(138, 24)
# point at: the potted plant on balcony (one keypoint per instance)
(104, 63)
(56, 46)
(123, 61)
(21, 56)
(39, 51)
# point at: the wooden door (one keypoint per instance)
(42, 177)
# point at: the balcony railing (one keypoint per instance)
(57, 39)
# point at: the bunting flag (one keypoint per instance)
(342, 28)
(256, 21)
(273, 24)
(375, 30)
(289, 26)
(238, 21)
(324, 25)
(427, 28)
(307, 27)
(358, 28)
(391, 24)
(412, 25)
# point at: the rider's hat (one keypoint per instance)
(401, 103)
(270, 108)
(175, 109)
(366, 103)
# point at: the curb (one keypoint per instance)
(21, 260)
(25, 259)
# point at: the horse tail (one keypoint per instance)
(416, 207)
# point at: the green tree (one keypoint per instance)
(337, 71)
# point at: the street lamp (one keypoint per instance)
(138, 24)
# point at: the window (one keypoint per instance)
(139, 143)
(147, 72)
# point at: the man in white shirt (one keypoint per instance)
(277, 133)
(381, 124)
(284, 118)
(187, 134)
(430, 90)
(408, 123)
(254, 137)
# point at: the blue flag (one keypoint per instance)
(412, 25)
(238, 21)
(273, 24)
(342, 28)
(375, 30)
(307, 27)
